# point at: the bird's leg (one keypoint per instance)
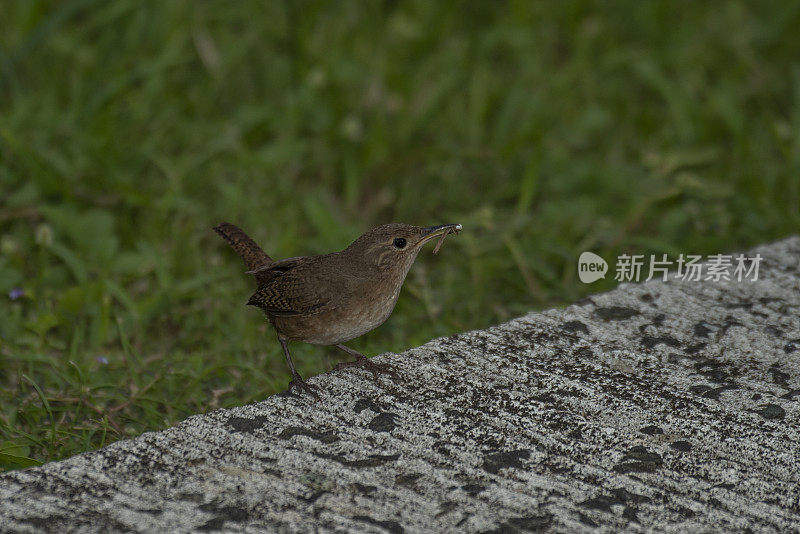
(297, 380)
(366, 363)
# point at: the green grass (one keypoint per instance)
(128, 129)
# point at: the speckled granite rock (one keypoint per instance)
(658, 406)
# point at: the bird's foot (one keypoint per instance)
(303, 386)
(369, 365)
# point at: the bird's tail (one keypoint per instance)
(253, 255)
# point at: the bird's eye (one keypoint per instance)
(399, 242)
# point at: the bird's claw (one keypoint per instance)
(303, 387)
(369, 365)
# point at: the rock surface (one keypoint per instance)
(657, 406)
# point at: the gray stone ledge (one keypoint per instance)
(655, 407)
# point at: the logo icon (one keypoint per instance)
(591, 267)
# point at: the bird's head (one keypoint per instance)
(394, 247)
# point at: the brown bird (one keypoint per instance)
(333, 298)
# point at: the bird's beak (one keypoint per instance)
(435, 231)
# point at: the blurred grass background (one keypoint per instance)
(128, 129)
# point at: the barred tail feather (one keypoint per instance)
(253, 255)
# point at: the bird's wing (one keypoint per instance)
(292, 291)
(281, 265)
(274, 269)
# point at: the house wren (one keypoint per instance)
(333, 298)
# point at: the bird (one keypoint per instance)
(333, 298)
